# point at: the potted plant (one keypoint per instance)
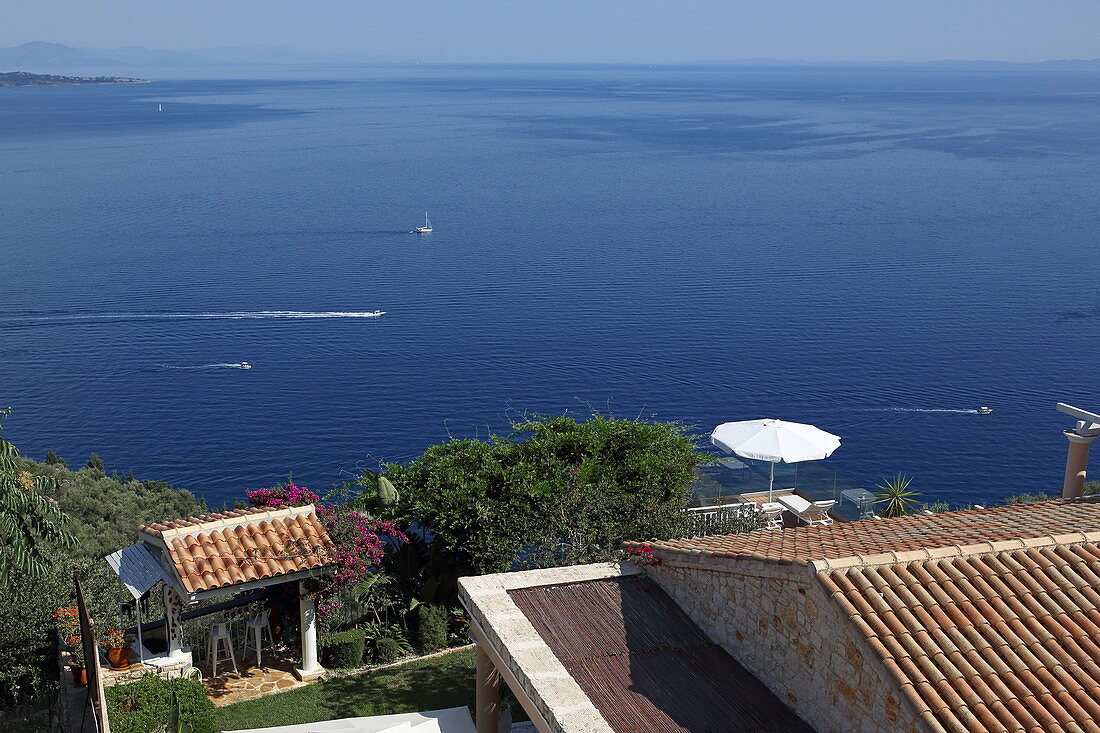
(115, 644)
(68, 624)
(76, 664)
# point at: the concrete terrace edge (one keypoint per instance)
(564, 706)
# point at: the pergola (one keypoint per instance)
(222, 554)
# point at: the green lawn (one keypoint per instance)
(430, 684)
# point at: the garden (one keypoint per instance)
(552, 491)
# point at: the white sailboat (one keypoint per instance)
(160, 108)
(427, 228)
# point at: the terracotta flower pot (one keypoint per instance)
(118, 658)
(80, 676)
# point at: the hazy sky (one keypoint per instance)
(579, 30)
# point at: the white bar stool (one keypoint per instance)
(220, 641)
(257, 627)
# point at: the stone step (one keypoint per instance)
(454, 720)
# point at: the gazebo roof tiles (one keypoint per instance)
(243, 545)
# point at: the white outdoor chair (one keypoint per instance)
(258, 627)
(220, 640)
(771, 515)
(813, 513)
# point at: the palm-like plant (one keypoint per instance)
(29, 520)
(895, 494)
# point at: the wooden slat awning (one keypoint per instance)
(644, 664)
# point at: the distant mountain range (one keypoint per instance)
(976, 64)
(41, 55)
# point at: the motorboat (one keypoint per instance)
(378, 313)
(427, 228)
(244, 365)
(983, 410)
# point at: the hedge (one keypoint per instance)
(343, 650)
(145, 705)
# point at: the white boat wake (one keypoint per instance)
(208, 316)
(237, 365)
(920, 409)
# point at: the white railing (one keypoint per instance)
(705, 519)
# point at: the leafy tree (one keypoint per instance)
(102, 514)
(29, 520)
(556, 491)
(52, 459)
(895, 494)
(95, 463)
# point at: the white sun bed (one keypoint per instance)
(771, 515)
(813, 513)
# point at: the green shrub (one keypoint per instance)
(343, 650)
(1092, 488)
(1027, 498)
(145, 705)
(385, 643)
(431, 630)
(388, 650)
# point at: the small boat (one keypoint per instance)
(983, 410)
(378, 313)
(427, 228)
(244, 365)
(160, 108)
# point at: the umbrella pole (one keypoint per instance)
(771, 482)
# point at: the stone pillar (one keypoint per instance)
(1077, 460)
(173, 606)
(311, 668)
(488, 694)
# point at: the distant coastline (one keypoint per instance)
(27, 79)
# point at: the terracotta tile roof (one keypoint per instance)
(915, 532)
(239, 546)
(1006, 640)
(643, 663)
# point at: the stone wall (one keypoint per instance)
(777, 620)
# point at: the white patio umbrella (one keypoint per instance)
(775, 441)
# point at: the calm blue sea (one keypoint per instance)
(874, 251)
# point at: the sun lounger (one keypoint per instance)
(813, 513)
(771, 515)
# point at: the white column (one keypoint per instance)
(308, 609)
(1077, 460)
